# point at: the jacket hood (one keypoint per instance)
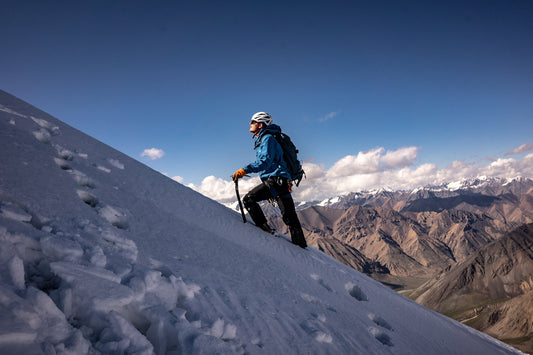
(272, 128)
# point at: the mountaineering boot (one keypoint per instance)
(297, 237)
(266, 228)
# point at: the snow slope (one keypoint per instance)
(101, 254)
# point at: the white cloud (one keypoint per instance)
(373, 169)
(224, 190)
(178, 179)
(526, 147)
(328, 117)
(362, 163)
(401, 157)
(153, 153)
(373, 161)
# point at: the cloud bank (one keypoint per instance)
(373, 169)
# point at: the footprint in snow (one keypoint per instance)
(378, 333)
(113, 162)
(44, 124)
(162, 268)
(321, 282)
(65, 156)
(88, 198)
(316, 331)
(320, 317)
(356, 292)
(63, 153)
(115, 216)
(63, 164)
(116, 163)
(82, 179)
(78, 176)
(44, 134)
(380, 321)
(381, 336)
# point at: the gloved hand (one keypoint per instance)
(238, 174)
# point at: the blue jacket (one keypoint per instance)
(269, 155)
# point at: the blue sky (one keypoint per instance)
(380, 90)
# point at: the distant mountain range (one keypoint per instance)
(477, 191)
(418, 233)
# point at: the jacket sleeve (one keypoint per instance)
(265, 153)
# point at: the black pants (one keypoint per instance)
(277, 188)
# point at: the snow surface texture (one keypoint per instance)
(100, 254)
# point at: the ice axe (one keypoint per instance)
(239, 199)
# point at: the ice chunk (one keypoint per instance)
(32, 320)
(93, 288)
(58, 248)
(97, 257)
(121, 337)
(15, 213)
(126, 247)
(222, 330)
(184, 290)
(71, 272)
(162, 332)
(16, 270)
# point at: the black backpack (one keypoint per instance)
(290, 156)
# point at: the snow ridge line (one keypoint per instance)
(73, 281)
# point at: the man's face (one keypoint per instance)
(254, 126)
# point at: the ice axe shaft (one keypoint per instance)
(239, 199)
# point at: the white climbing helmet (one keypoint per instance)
(262, 117)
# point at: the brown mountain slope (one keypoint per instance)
(500, 270)
(318, 223)
(396, 241)
(463, 232)
(320, 217)
(348, 255)
(408, 244)
(491, 291)
(513, 319)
